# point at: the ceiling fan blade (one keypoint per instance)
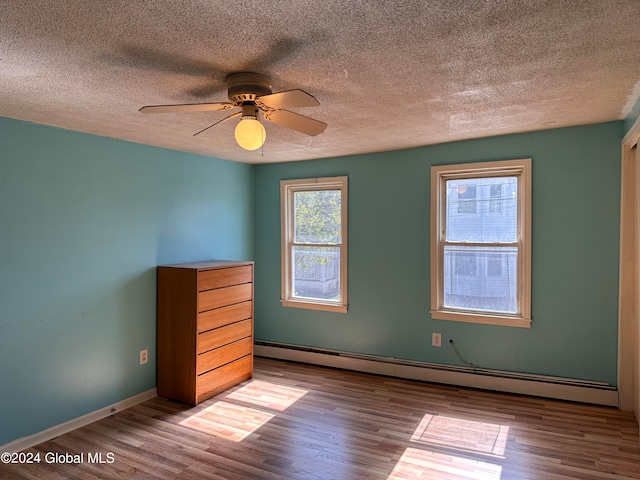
(187, 107)
(296, 122)
(233, 115)
(288, 99)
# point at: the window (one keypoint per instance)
(314, 243)
(481, 263)
(466, 198)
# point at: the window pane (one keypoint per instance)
(481, 278)
(482, 210)
(316, 273)
(317, 216)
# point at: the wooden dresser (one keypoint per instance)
(205, 328)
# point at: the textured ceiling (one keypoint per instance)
(388, 75)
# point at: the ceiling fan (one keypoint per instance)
(251, 93)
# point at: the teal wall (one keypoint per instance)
(86, 219)
(632, 117)
(576, 201)
(84, 222)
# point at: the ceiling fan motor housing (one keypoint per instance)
(252, 93)
(247, 87)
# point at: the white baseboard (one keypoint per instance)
(66, 427)
(391, 367)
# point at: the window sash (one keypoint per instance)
(322, 276)
(461, 284)
(481, 244)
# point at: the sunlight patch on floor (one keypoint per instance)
(463, 435)
(227, 420)
(267, 394)
(416, 463)
(236, 421)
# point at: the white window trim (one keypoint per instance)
(287, 189)
(439, 174)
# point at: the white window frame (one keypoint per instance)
(287, 190)
(521, 169)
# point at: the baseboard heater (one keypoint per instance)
(585, 391)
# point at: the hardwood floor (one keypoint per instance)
(294, 421)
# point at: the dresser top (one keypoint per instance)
(209, 264)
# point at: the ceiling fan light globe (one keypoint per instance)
(250, 134)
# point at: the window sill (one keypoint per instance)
(481, 319)
(310, 305)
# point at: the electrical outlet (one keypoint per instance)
(436, 340)
(144, 356)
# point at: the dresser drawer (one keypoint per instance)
(223, 335)
(224, 277)
(224, 316)
(222, 297)
(223, 355)
(220, 379)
